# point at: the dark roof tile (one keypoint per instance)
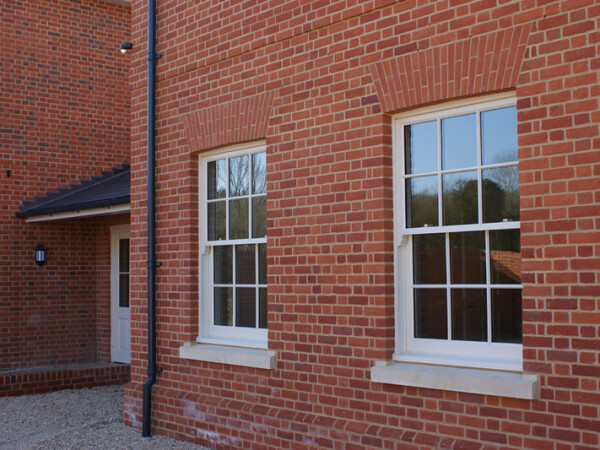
(108, 189)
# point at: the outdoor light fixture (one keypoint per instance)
(40, 255)
(126, 46)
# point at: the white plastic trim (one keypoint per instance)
(473, 381)
(104, 211)
(225, 354)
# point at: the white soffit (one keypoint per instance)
(82, 213)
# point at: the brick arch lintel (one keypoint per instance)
(240, 120)
(481, 64)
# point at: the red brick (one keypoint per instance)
(66, 117)
(333, 73)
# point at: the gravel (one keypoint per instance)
(74, 419)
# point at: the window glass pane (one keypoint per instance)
(238, 219)
(262, 263)
(506, 316)
(501, 194)
(222, 264)
(499, 135)
(505, 256)
(124, 290)
(459, 200)
(216, 221)
(259, 216)
(421, 148)
(259, 173)
(429, 259)
(217, 179)
(469, 315)
(422, 202)
(238, 176)
(459, 142)
(431, 314)
(245, 264)
(467, 257)
(262, 308)
(223, 306)
(245, 313)
(123, 255)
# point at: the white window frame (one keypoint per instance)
(208, 332)
(471, 354)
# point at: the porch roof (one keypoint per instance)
(103, 194)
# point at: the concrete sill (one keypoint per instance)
(226, 354)
(474, 381)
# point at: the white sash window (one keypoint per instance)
(458, 265)
(233, 247)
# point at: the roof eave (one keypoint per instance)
(43, 211)
(100, 211)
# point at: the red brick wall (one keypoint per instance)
(65, 116)
(330, 226)
(31, 381)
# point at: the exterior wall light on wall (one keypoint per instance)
(126, 46)
(40, 255)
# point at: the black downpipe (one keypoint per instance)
(151, 201)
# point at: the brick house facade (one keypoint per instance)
(65, 118)
(320, 85)
(325, 92)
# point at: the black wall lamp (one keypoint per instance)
(40, 255)
(126, 46)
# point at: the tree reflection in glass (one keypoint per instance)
(238, 176)
(236, 201)
(459, 201)
(216, 221)
(217, 179)
(422, 202)
(259, 173)
(501, 194)
(259, 216)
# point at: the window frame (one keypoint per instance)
(472, 354)
(208, 332)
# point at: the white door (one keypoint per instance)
(119, 289)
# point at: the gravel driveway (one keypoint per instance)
(73, 419)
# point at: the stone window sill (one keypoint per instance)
(474, 381)
(226, 354)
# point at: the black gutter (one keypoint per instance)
(151, 202)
